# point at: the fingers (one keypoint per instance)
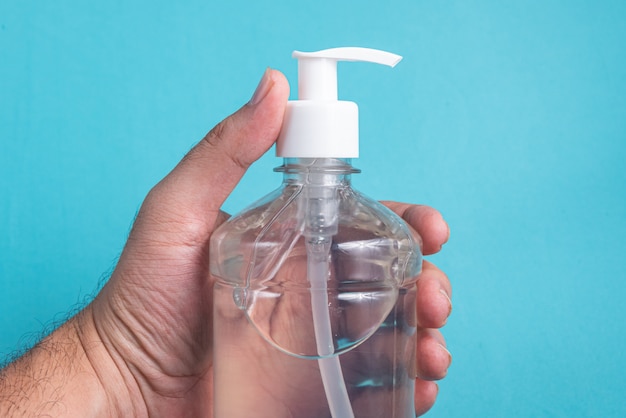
(433, 306)
(425, 395)
(433, 361)
(205, 177)
(428, 223)
(433, 358)
(433, 297)
(433, 303)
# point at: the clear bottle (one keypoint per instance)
(314, 301)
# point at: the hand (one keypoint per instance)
(433, 303)
(148, 334)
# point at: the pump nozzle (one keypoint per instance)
(317, 71)
(318, 125)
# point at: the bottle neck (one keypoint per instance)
(317, 171)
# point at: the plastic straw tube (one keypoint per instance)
(318, 252)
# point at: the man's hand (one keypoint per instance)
(144, 345)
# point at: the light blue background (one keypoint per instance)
(508, 116)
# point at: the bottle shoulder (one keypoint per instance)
(365, 213)
(355, 211)
(261, 237)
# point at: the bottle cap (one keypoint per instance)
(318, 125)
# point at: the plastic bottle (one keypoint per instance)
(315, 283)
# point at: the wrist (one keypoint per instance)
(54, 378)
(113, 376)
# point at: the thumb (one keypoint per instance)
(198, 186)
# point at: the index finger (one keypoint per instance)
(427, 221)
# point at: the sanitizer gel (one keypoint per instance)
(315, 283)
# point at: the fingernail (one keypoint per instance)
(448, 227)
(265, 85)
(445, 350)
(443, 292)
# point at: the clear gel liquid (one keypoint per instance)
(267, 357)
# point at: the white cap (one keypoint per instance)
(317, 125)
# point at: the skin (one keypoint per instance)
(143, 347)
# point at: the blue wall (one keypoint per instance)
(508, 116)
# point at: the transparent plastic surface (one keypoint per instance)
(314, 295)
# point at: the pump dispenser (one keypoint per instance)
(315, 283)
(317, 125)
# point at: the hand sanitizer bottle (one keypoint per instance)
(314, 296)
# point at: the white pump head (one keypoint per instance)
(317, 125)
